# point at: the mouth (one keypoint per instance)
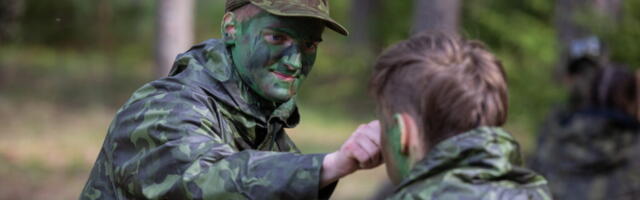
(284, 77)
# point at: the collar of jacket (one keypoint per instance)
(476, 156)
(219, 81)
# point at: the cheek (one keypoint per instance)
(307, 63)
(260, 56)
(386, 150)
(390, 165)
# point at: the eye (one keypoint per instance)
(310, 46)
(277, 38)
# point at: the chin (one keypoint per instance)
(279, 97)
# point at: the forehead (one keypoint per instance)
(302, 27)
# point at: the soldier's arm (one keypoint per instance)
(165, 146)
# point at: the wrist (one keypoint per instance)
(335, 166)
(340, 164)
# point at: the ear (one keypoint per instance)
(228, 28)
(409, 135)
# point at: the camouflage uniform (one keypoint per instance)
(590, 154)
(196, 134)
(479, 164)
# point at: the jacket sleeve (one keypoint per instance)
(164, 146)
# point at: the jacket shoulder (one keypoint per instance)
(430, 189)
(210, 56)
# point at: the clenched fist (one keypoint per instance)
(360, 151)
(363, 147)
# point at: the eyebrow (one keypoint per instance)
(285, 30)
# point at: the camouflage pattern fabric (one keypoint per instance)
(293, 8)
(480, 164)
(590, 154)
(197, 134)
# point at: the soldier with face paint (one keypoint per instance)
(214, 128)
(442, 100)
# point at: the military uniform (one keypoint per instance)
(196, 134)
(201, 134)
(480, 164)
(590, 154)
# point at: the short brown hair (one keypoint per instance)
(448, 84)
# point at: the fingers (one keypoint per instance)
(362, 156)
(364, 145)
(372, 150)
(375, 131)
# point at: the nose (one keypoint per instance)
(293, 60)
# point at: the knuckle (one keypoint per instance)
(349, 147)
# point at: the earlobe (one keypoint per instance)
(228, 28)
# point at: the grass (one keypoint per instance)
(46, 152)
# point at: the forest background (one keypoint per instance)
(67, 65)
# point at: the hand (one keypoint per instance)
(363, 147)
(360, 151)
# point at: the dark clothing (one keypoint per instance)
(590, 154)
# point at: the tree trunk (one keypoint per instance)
(10, 11)
(567, 11)
(174, 32)
(363, 18)
(436, 15)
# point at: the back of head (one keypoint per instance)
(615, 88)
(448, 84)
(586, 56)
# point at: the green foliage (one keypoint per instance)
(521, 34)
(86, 24)
(207, 20)
(79, 54)
(394, 22)
(119, 36)
(621, 36)
(338, 82)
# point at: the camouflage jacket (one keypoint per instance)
(479, 164)
(590, 154)
(197, 134)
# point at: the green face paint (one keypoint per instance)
(274, 54)
(398, 164)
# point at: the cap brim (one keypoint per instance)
(330, 23)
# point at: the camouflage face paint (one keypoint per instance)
(398, 164)
(273, 54)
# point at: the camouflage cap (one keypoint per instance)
(294, 8)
